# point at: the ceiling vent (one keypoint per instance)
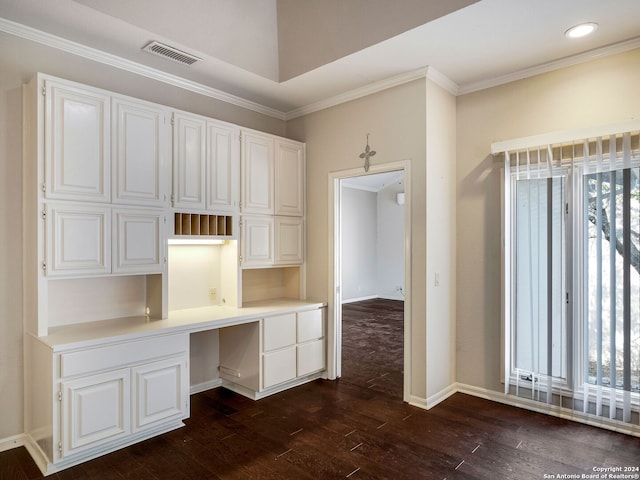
(171, 53)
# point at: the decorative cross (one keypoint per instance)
(368, 153)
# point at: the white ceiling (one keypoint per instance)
(244, 52)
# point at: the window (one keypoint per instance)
(572, 275)
(612, 278)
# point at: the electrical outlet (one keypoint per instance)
(212, 294)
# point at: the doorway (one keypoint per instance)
(364, 284)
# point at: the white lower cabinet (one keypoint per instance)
(160, 392)
(278, 367)
(95, 410)
(103, 408)
(278, 352)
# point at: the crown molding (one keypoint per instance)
(551, 66)
(38, 36)
(356, 93)
(443, 81)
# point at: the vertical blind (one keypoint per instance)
(572, 274)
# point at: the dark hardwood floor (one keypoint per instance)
(356, 427)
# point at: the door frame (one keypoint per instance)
(334, 307)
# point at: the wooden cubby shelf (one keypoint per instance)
(195, 224)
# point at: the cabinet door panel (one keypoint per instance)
(257, 174)
(311, 357)
(289, 237)
(78, 240)
(95, 410)
(223, 165)
(278, 367)
(289, 180)
(257, 241)
(160, 392)
(279, 331)
(189, 145)
(138, 145)
(137, 240)
(77, 150)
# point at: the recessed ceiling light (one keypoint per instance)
(581, 30)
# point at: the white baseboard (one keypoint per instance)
(418, 402)
(12, 442)
(433, 400)
(442, 395)
(204, 386)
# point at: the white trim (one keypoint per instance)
(12, 442)
(550, 66)
(443, 81)
(38, 456)
(440, 396)
(334, 304)
(105, 58)
(565, 136)
(417, 402)
(204, 386)
(354, 94)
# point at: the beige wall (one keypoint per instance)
(598, 92)
(19, 61)
(335, 137)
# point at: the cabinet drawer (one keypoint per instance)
(278, 367)
(310, 357)
(279, 332)
(119, 355)
(310, 325)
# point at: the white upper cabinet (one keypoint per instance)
(139, 163)
(289, 240)
(78, 240)
(77, 142)
(189, 147)
(137, 241)
(257, 241)
(289, 178)
(257, 173)
(222, 166)
(272, 175)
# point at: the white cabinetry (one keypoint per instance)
(112, 394)
(289, 178)
(77, 142)
(95, 411)
(257, 173)
(138, 241)
(272, 229)
(189, 147)
(160, 392)
(278, 352)
(272, 175)
(78, 240)
(139, 167)
(310, 329)
(206, 164)
(272, 241)
(223, 167)
(257, 241)
(289, 241)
